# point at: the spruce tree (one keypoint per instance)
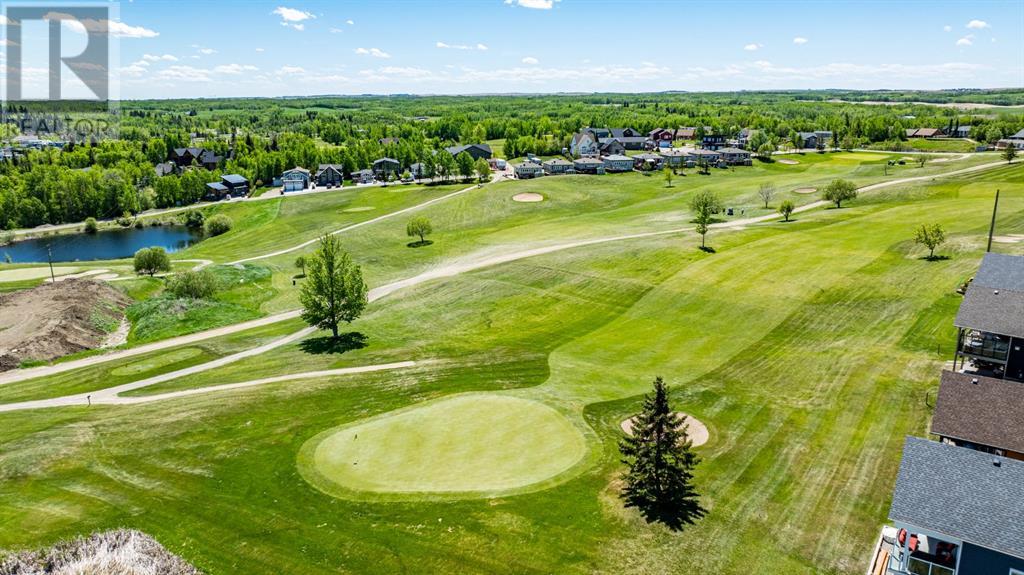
(661, 461)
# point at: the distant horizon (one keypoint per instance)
(296, 48)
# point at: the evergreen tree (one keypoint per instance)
(661, 462)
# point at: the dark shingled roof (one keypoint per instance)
(999, 311)
(988, 412)
(1001, 271)
(234, 179)
(961, 493)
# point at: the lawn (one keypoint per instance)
(807, 349)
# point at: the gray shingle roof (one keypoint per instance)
(980, 410)
(960, 492)
(1001, 271)
(618, 158)
(999, 311)
(234, 179)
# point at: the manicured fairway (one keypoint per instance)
(479, 443)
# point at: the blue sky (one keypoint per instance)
(234, 48)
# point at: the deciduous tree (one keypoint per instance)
(334, 291)
(786, 208)
(930, 236)
(839, 191)
(766, 192)
(704, 205)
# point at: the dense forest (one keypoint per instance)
(259, 138)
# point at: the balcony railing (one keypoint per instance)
(986, 345)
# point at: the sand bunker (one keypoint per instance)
(697, 431)
(805, 190)
(359, 209)
(528, 197)
(1009, 239)
(787, 162)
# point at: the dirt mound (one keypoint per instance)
(53, 320)
(118, 552)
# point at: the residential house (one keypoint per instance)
(929, 133)
(184, 157)
(529, 170)
(712, 157)
(713, 141)
(647, 162)
(584, 143)
(981, 413)
(497, 164)
(295, 180)
(385, 167)
(1016, 140)
(630, 138)
(677, 157)
(962, 132)
(165, 168)
(476, 151)
(686, 133)
(612, 147)
(990, 340)
(955, 511)
(216, 191)
(909, 132)
(817, 140)
(662, 136)
(588, 165)
(617, 163)
(599, 133)
(743, 138)
(735, 156)
(418, 171)
(330, 175)
(557, 166)
(238, 186)
(362, 177)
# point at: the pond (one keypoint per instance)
(106, 245)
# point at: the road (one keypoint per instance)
(470, 263)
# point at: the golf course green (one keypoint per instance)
(476, 443)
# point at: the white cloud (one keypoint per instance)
(753, 47)
(977, 24)
(350, 22)
(800, 40)
(135, 70)
(477, 46)
(299, 27)
(259, 49)
(180, 73)
(533, 4)
(291, 70)
(159, 58)
(112, 28)
(290, 16)
(234, 69)
(336, 30)
(375, 52)
(207, 51)
(530, 60)
(947, 28)
(967, 40)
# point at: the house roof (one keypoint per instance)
(981, 410)
(324, 167)
(654, 157)
(587, 161)
(910, 132)
(363, 173)
(234, 179)
(732, 151)
(456, 150)
(621, 132)
(297, 169)
(217, 186)
(961, 493)
(927, 132)
(705, 153)
(528, 165)
(383, 160)
(676, 152)
(999, 311)
(557, 162)
(618, 158)
(686, 132)
(1001, 271)
(580, 136)
(1018, 136)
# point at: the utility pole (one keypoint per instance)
(49, 259)
(992, 226)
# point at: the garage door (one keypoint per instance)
(293, 186)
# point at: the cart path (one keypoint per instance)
(447, 270)
(110, 395)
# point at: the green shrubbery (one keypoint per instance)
(91, 227)
(217, 225)
(194, 284)
(152, 260)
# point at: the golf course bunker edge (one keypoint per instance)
(467, 446)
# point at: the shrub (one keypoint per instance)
(152, 260)
(193, 284)
(217, 225)
(91, 227)
(125, 221)
(193, 218)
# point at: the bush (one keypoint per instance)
(218, 224)
(125, 221)
(152, 260)
(91, 227)
(193, 218)
(193, 284)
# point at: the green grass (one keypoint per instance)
(807, 349)
(942, 145)
(484, 445)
